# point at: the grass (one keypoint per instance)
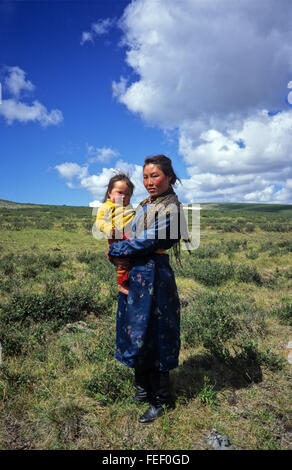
(60, 387)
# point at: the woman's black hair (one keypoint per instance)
(165, 165)
(114, 179)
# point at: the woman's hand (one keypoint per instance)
(121, 263)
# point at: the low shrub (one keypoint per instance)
(15, 380)
(208, 395)
(87, 257)
(212, 319)
(30, 271)
(42, 260)
(231, 246)
(248, 273)
(210, 273)
(286, 244)
(12, 339)
(104, 270)
(230, 227)
(69, 357)
(54, 303)
(7, 264)
(281, 248)
(276, 227)
(7, 283)
(51, 261)
(110, 383)
(288, 273)
(69, 226)
(19, 339)
(214, 273)
(252, 254)
(249, 227)
(222, 324)
(265, 246)
(44, 224)
(248, 358)
(103, 350)
(208, 251)
(284, 312)
(99, 265)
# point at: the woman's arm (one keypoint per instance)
(157, 237)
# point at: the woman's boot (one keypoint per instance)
(142, 385)
(160, 396)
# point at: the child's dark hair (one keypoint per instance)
(165, 165)
(114, 179)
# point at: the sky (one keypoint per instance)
(90, 88)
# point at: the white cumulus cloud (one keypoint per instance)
(16, 81)
(13, 110)
(103, 154)
(69, 170)
(210, 69)
(87, 36)
(205, 58)
(16, 109)
(99, 28)
(251, 162)
(78, 176)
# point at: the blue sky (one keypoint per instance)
(92, 87)
(43, 39)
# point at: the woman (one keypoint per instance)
(148, 319)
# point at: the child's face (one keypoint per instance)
(120, 193)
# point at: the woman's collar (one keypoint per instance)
(168, 191)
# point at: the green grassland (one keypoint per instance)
(60, 387)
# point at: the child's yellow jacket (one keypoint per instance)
(112, 218)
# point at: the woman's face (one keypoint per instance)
(155, 181)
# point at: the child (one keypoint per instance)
(114, 219)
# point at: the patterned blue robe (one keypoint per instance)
(148, 319)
